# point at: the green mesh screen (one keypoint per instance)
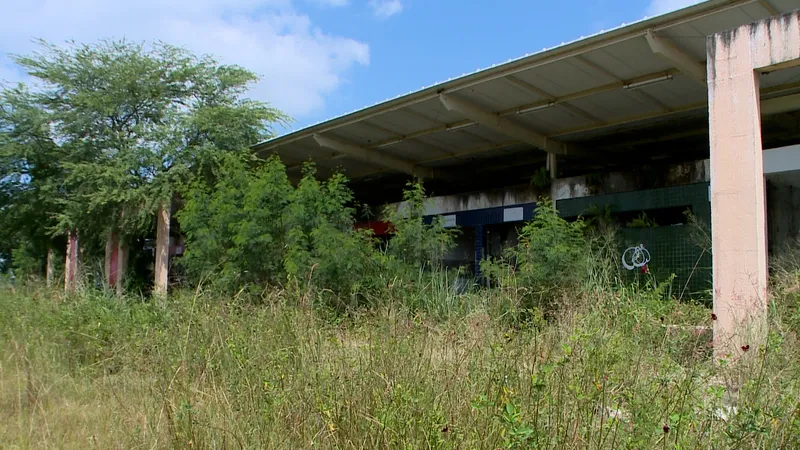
(673, 246)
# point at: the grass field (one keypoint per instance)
(203, 371)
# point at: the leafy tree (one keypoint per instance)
(31, 181)
(324, 250)
(234, 229)
(253, 227)
(126, 125)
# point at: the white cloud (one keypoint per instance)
(334, 3)
(298, 62)
(383, 9)
(658, 7)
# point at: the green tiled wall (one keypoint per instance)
(671, 247)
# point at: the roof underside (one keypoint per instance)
(598, 93)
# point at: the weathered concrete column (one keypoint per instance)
(162, 250)
(116, 261)
(552, 165)
(109, 267)
(50, 269)
(122, 266)
(71, 262)
(480, 251)
(735, 59)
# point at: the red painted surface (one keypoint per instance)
(114, 263)
(378, 228)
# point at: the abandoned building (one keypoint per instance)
(694, 111)
(646, 121)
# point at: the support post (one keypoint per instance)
(480, 246)
(116, 260)
(71, 262)
(122, 266)
(50, 270)
(162, 250)
(109, 266)
(737, 175)
(552, 165)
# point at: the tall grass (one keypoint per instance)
(618, 368)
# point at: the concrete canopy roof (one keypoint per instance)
(556, 101)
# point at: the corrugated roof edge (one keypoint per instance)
(621, 32)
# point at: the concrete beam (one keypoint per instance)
(373, 157)
(779, 105)
(769, 106)
(683, 61)
(504, 126)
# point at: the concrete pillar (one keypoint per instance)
(122, 266)
(735, 59)
(552, 165)
(71, 262)
(480, 246)
(50, 270)
(116, 260)
(109, 268)
(162, 250)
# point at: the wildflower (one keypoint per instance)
(713, 316)
(746, 347)
(666, 428)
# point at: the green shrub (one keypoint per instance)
(323, 249)
(552, 258)
(417, 244)
(252, 229)
(234, 230)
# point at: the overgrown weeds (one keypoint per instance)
(618, 368)
(561, 353)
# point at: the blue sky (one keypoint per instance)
(322, 58)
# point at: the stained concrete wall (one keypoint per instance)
(509, 196)
(647, 177)
(499, 236)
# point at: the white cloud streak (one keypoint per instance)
(299, 63)
(383, 9)
(333, 3)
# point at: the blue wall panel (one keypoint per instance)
(486, 216)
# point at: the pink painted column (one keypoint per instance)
(71, 263)
(738, 217)
(116, 260)
(162, 250)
